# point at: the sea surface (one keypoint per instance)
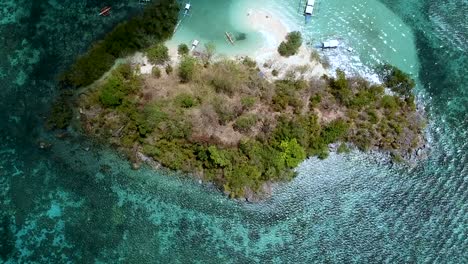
(79, 202)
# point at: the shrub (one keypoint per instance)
(245, 123)
(183, 49)
(185, 100)
(389, 102)
(315, 100)
(187, 68)
(225, 112)
(334, 131)
(158, 53)
(112, 92)
(210, 49)
(286, 95)
(241, 176)
(156, 72)
(249, 62)
(223, 84)
(169, 69)
(247, 102)
(398, 81)
(340, 87)
(155, 114)
(274, 72)
(343, 148)
(291, 45)
(292, 153)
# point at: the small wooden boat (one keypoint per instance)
(229, 38)
(105, 11)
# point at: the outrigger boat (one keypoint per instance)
(330, 44)
(308, 10)
(105, 11)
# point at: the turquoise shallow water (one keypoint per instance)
(67, 204)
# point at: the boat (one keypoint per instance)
(105, 11)
(187, 9)
(330, 44)
(229, 37)
(308, 10)
(194, 44)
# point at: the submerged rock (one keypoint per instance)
(44, 145)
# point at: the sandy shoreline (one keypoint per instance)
(274, 31)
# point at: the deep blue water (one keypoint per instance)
(67, 204)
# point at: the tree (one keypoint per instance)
(291, 45)
(397, 80)
(183, 49)
(292, 153)
(158, 53)
(187, 68)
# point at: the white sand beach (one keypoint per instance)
(274, 31)
(268, 58)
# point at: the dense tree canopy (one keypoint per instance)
(291, 45)
(157, 22)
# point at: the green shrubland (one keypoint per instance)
(187, 68)
(238, 130)
(157, 22)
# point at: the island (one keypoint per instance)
(229, 120)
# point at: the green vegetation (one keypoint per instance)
(342, 148)
(249, 62)
(291, 45)
(245, 123)
(210, 50)
(248, 102)
(156, 72)
(185, 100)
(158, 53)
(157, 22)
(228, 125)
(187, 68)
(183, 49)
(169, 69)
(398, 81)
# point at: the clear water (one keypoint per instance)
(67, 204)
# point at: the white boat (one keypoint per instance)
(187, 9)
(330, 44)
(194, 44)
